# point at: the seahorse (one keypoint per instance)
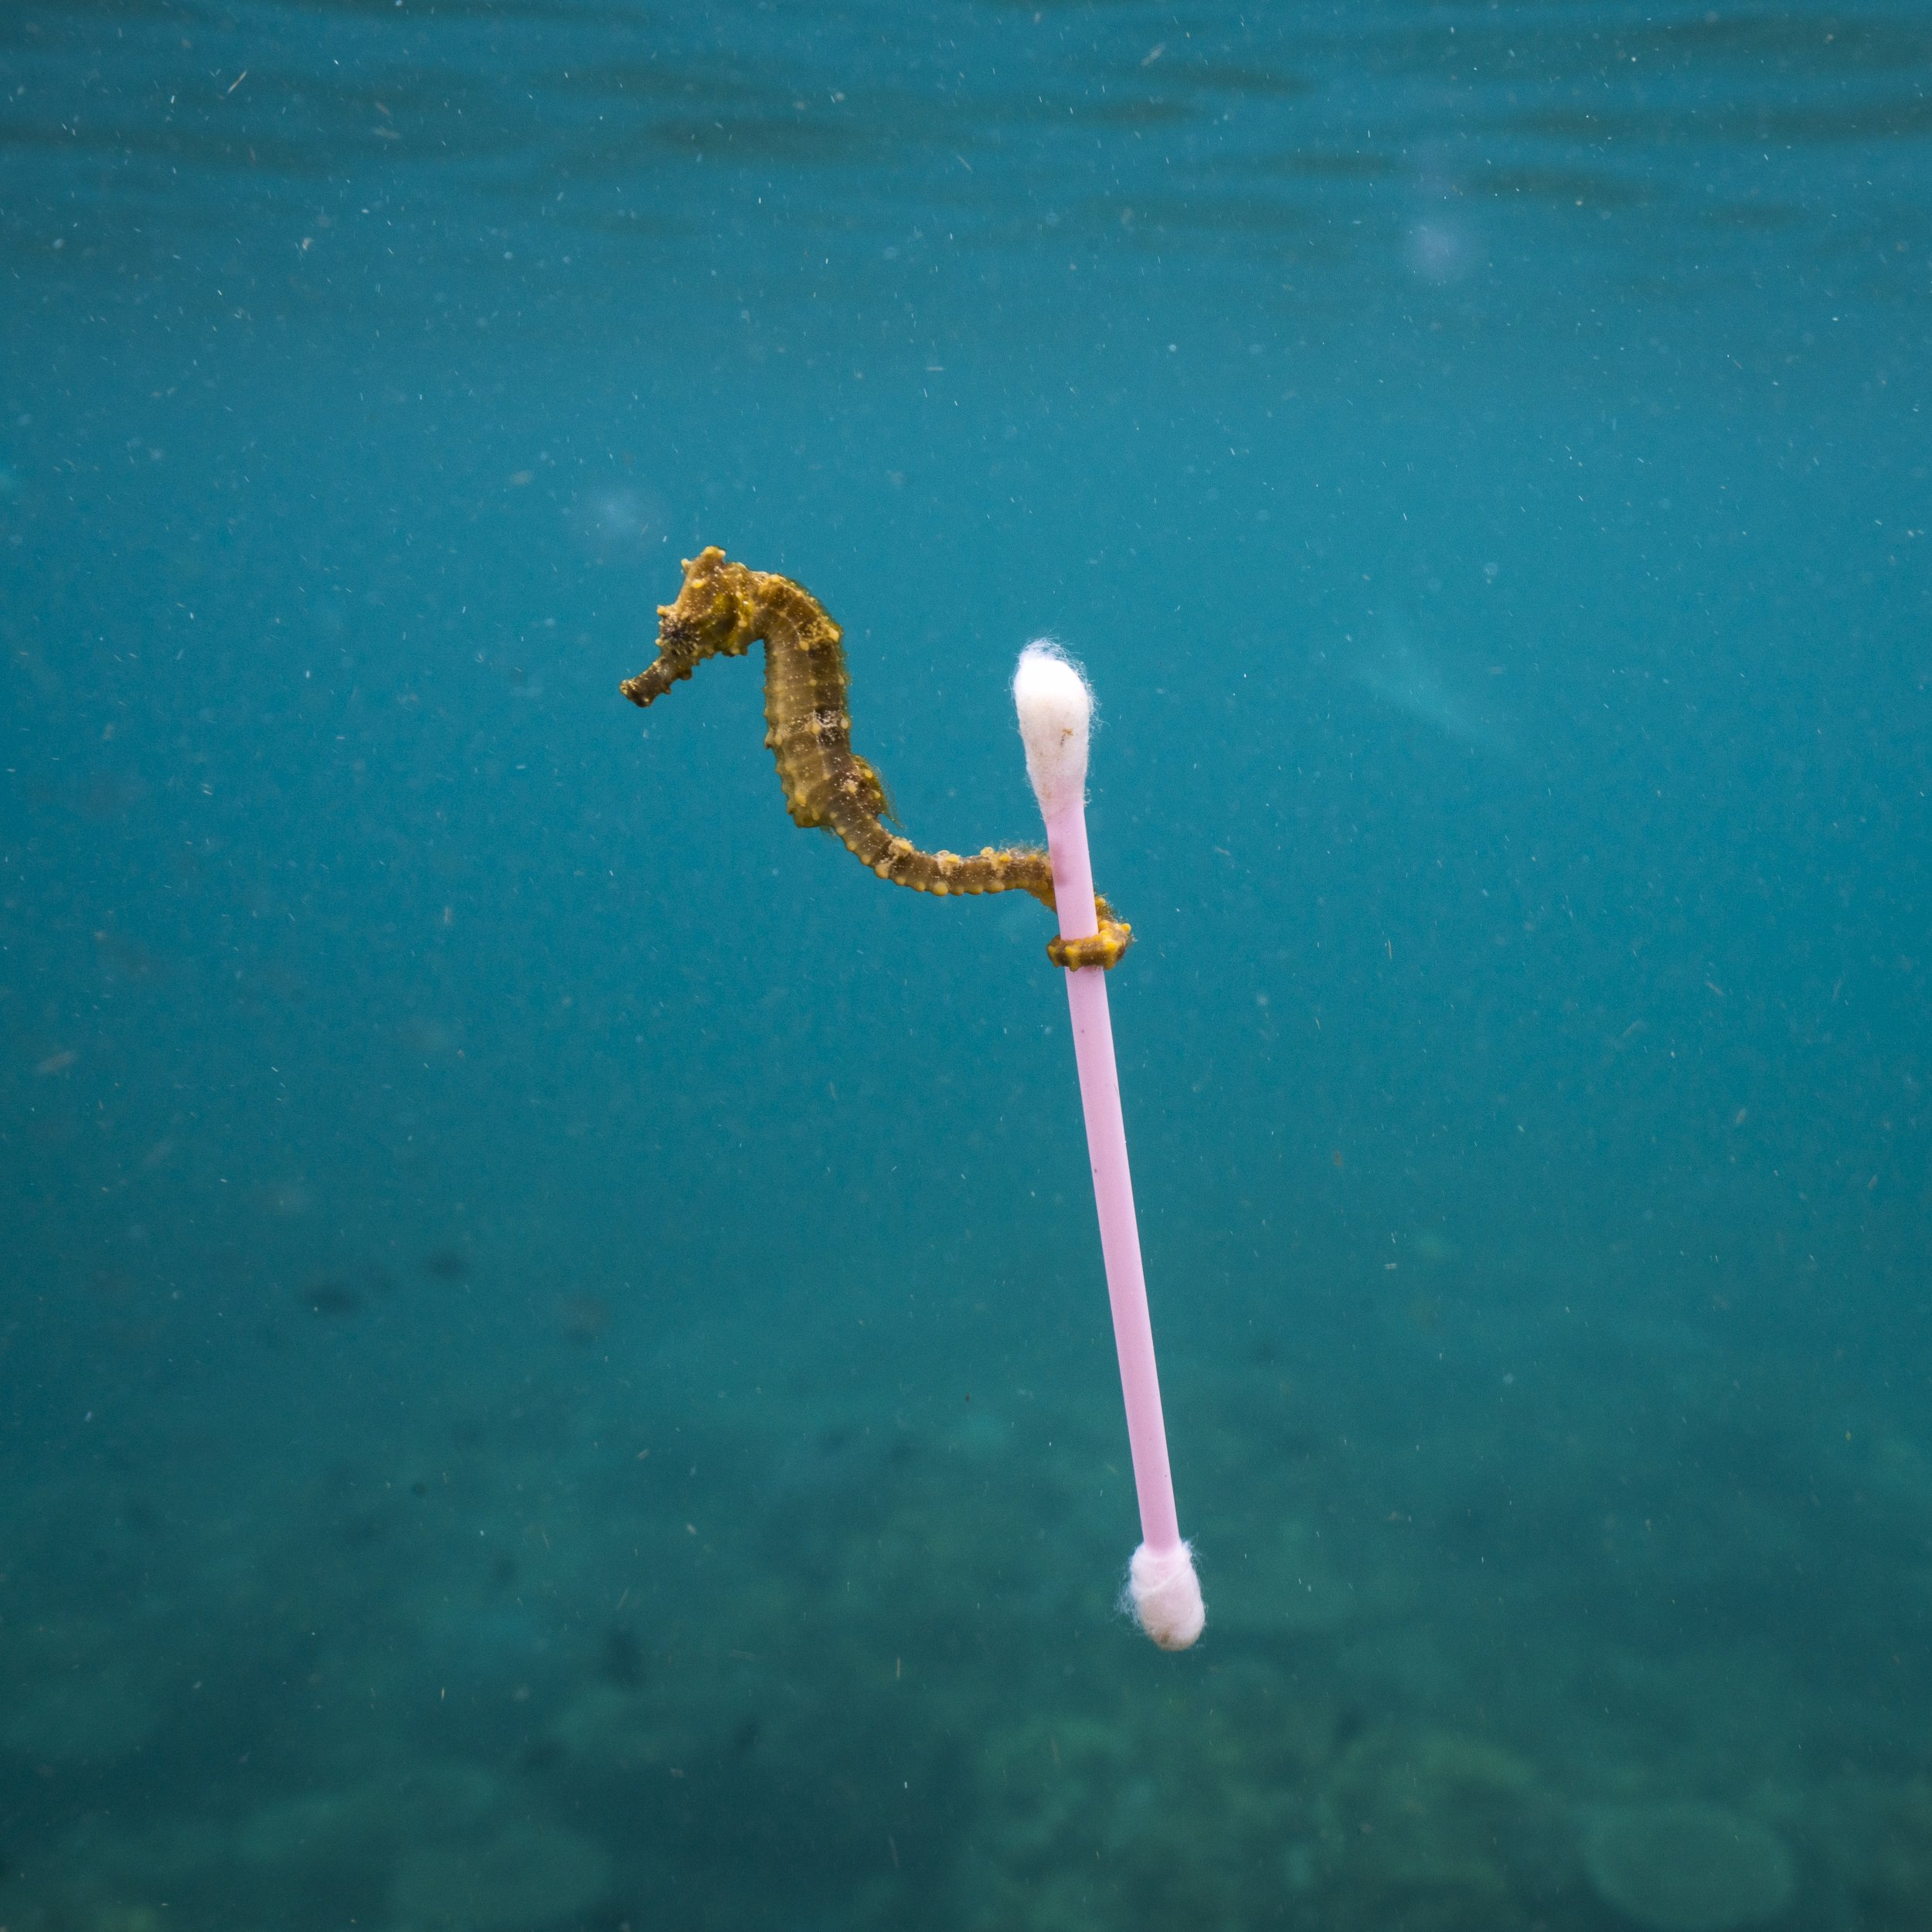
(724, 609)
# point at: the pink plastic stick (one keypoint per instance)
(1056, 709)
(1113, 1184)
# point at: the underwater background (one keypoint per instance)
(554, 1359)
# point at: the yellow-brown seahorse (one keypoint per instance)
(722, 611)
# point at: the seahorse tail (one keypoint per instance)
(943, 874)
(1105, 948)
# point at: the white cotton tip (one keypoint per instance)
(1055, 706)
(1165, 1595)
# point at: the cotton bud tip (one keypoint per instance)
(1056, 708)
(1165, 1595)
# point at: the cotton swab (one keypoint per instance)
(1056, 709)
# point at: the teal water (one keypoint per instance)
(556, 1370)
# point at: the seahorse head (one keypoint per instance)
(713, 614)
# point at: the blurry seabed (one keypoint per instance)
(603, 1622)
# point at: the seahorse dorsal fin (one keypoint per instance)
(880, 799)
